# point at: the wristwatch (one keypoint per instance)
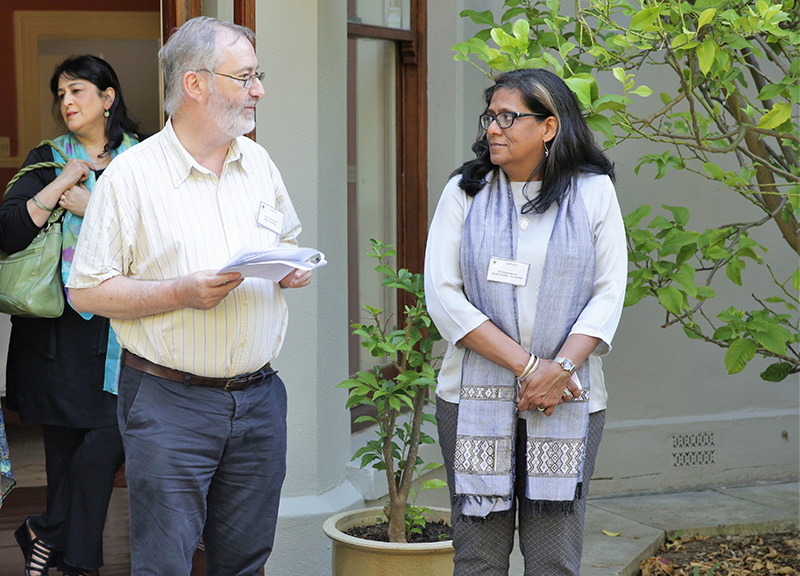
(566, 364)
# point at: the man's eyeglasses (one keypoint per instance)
(504, 119)
(246, 81)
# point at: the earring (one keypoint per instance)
(546, 150)
(106, 113)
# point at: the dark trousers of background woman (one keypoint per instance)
(81, 465)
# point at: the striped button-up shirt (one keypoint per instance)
(156, 214)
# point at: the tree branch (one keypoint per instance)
(773, 58)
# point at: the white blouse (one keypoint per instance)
(455, 317)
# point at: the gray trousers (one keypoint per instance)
(551, 543)
(201, 461)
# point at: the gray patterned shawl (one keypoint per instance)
(484, 459)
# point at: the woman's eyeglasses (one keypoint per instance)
(505, 119)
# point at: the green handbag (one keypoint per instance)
(30, 280)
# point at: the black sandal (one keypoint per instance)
(37, 553)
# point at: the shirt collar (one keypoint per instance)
(183, 163)
(236, 154)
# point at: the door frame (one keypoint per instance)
(175, 12)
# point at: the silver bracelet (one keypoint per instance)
(533, 363)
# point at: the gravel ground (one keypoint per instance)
(769, 554)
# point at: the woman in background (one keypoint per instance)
(61, 372)
(525, 276)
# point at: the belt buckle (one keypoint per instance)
(245, 381)
(231, 382)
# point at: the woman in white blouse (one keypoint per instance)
(525, 274)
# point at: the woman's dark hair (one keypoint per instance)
(102, 75)
(571, 151)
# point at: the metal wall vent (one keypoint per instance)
(693, 449)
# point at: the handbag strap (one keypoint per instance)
(58, 212)
(38, 165)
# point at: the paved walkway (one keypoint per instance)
(645, 520)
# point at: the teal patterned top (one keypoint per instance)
(6, 475)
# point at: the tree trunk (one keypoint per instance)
(396, 513)
(765, 178)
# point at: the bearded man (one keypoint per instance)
(201, 410)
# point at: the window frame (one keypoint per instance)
(176, 12)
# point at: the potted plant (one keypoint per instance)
(400, 381)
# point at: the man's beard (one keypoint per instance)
(229, 116)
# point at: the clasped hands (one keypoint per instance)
(545, 388)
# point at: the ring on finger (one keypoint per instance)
(540, 409)
(567, 392)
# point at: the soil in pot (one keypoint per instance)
(432, 532)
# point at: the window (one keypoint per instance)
(371, 175)
(386, 13)
(387, 147)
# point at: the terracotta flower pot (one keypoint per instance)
(357, 557)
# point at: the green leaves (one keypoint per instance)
(633, 219)
(780, 113)
(770, 91)
(601, 124)
(680, 214)
(584, 87)
(739, 354)
(706, 17)
(663, 163)
(713, 170)
(485, 18)
(645, 19)
(777, 372)
(705, 55)
(661, 254)
(671, 299)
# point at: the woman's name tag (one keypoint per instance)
(508, 271)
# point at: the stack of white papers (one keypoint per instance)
(273, 263)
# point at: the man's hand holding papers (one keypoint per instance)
(273, 263)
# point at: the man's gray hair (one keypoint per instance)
(194, 46)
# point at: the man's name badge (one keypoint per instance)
(508, 271)
(270, 218)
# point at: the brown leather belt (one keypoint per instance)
(228, 384)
